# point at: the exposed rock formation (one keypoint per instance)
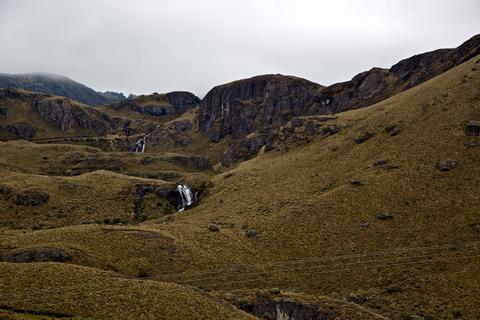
(263, 103)
(377, 84)
(31, 197)
(275, 305)
(21, 130)
(66, 115)
(36, 255)
(258, 103)
(172, 103)
(298, 131)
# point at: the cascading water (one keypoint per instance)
(142, 142)
(187, 197)
(140, 145)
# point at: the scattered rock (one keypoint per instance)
(213, 227)
(471, 144)
(384, 216)
(456, 313)
(251, 233)
(446, 165)
(36, 226)
(393, 130)
(36, 255)
(275, 291)
(364, 137)
(393, 289)
(358, 298)
(5, 191)
(355, 182)
(365, 225)
(31, 197)
(380, 162)
(472, 128)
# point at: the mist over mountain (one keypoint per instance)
(58, 85)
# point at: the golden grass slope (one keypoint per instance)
(93, 197)
(68, 290)
(424, 262)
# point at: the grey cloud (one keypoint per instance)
(146, 46)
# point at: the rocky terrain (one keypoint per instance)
(272, 198)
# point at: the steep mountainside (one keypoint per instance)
(57, 85)
(29, 115)
(377, 84)
(265, 102)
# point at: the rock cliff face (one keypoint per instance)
(22, 130)
(29, 115)
(172, 103)
(65, 115)
(254, 104)
(378, 84)
(251, 111)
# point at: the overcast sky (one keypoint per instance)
(145, 46)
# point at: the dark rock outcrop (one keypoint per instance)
(244, 149)
(36, 255)
(241, 107)
(172, 103)
(472, 128)
(298, 131)
(66, 115)
(384, 216)
(446, 165)
(213, 227)
(378, 84)
(264, 103)
(3, 111)
(174, 133)
(273, 305)
(31, 197)
(364, 136)
(20, 130)
(182, 100)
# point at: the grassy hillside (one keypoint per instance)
(398, 236)
(57, 289)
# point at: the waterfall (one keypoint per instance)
(142, 142)
(140, 145)
(187, 197)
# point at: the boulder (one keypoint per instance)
(384, 216)
(380, 162)
(472, 128)
(31, 197)
(446, 165)
(251, 233)
(355, 182)
(393, 130)
(213, 227)
(364, 137)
